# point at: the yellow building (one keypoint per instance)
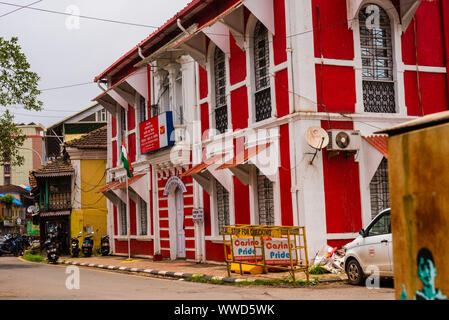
(88, 158)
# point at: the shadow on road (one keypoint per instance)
(6, 266)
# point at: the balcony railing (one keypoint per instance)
(59, 201)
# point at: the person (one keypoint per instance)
(427, 272)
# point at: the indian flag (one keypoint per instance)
(126, 162)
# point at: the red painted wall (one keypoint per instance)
(279, 39)
(237, 63)
(114, 126)
(132, 147)
(341, 188)
(336, 40)
(282, 94)
(131, 118)
(114, 154)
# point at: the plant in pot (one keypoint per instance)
(157, 256)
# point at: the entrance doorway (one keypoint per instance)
(180, 233)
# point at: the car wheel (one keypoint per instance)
(354, 272)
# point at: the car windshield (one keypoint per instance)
(381, 226)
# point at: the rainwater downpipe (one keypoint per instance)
(178, 22)
(417, 67)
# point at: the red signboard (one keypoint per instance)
(156, 133)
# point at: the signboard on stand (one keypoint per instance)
(276, 252)
(243, 249)
(157, 133)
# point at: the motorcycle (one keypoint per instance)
(75, 246)
(9, 246)
(88, 244)
(52, 248)
(105, 245)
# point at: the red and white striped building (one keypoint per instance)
(240, 80)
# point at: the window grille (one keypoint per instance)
(143, 218)
(266, 200)
(222, 206)
(377, 62)
(379, 189)
(221, 109)
(262, 77)
(123, 220)
(142, 109)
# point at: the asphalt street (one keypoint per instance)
(25, 280)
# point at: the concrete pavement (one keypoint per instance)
(26, 280)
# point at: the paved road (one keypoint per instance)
(26, 280)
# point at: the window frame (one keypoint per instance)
(398, 65)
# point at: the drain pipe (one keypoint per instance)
(99, 86)
(178, 22)
(139, 50)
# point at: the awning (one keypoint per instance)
(379, 142)
(202, 166)
(203, 173)
(407, 11)
(108, 186)
(244, 156)
(218, 29)
(239, 165)
(130, 181)
(55, 214)
(123, 92)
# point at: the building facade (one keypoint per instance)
(33, 151)
(216, 108)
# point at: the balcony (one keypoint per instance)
(59, 201)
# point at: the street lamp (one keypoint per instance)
(38, 154)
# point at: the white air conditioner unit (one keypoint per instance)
(344, 140)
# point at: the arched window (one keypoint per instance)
(221, 108)
(262, 76)
(265, 196)
(377, 60)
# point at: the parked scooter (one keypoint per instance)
(52, 248)
(88, 244)
(9, 246)
(75, 246)
(105, 248)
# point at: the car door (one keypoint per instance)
(376, 245)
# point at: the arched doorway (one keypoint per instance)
(174, 190)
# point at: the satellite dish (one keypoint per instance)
(317, 137)
(33, 209)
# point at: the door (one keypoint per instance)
(180, 234)
(375, 249)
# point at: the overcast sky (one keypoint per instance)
(65, 56)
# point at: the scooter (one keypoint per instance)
(9, 246)
(105, 245)
(75, 246)
(88, 244)
(52, 248)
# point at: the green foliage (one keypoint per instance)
(33, 257)
(7, 198)
(18, 87)
(317, 270)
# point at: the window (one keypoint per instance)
(101, 115)
(266, 200)
(381, 226)
(222, 206)
(123, 220)
(262, 76)
(379, 189)
(143, 218)
(164, 98)
(377, 61)
(142, 109)
(7, 169)
(7, 180)
(179, 109)
(221, 108)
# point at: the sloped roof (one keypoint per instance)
(56, 168)
(11, 188)
(96, 139)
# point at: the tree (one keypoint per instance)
(18, 87)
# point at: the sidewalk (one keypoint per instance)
(183, 269)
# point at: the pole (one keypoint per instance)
(128, 217)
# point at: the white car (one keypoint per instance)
(371, 251)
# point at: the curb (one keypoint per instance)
(179, 275)
(166, 274)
